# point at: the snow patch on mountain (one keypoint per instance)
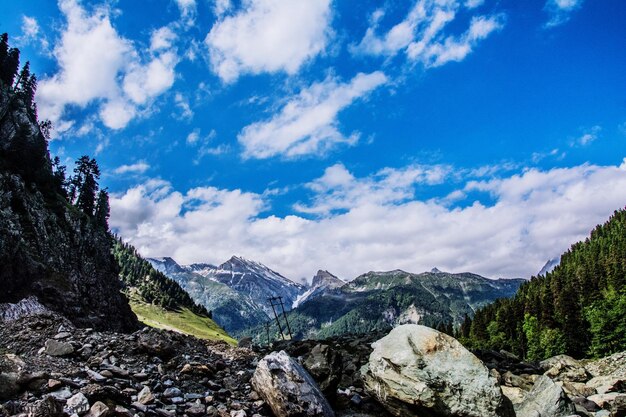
(322, 282)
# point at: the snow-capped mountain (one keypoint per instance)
(322, 282)
(166, 265)
(236, 291)
(550, 265)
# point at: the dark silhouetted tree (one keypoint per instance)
(103, 209)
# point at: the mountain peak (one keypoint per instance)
(165, 265)
(436, 270)
(325, 278)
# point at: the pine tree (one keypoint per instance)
(84, 185)
(102, 210)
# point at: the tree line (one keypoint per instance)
(151, 285)
(578, 309)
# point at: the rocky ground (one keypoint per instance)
(50, 368)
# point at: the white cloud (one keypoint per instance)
(472, 4)
(187, 11)
(92, 58)
(183, 105)
(560, 10)
(136, 168)
(143, 82)
(421, 34)
(269, 36)
(31, 33)
(534, 215)
(30, 27)
(590, 135)
(204, 145)
(339, 190)
(221, 6)
(193, 137)
(307, 123)
(162, 38)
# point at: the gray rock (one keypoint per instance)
(77, 404)
(614, 365)
(618, 409)
(62, 394)
(172, 392)
(515, 394)
(99, 409)
(416, 370)
(604, 384)
(47, 407)
(145, 396)
(324, 365)
(604, 400)
(94, 376)
(287, 388)
(546, 399)
(8, 385)
(564, 368)
(56, 348)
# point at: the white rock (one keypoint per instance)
(416, 370)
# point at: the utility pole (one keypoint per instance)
(280, 328)
(282, 307)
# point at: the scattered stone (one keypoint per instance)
(62, 335)
(238, 413)
(417, 370)
(145, 396)
(545, 399)
(196, 410)
(515, 394)
(586, 404)
(47, 407)
(604, 400)
(56, 348)
(95, 376)
(172, 392)
(564, 368)
(62, 394)
(77, 404)
(287, 388)
(54, 384)
(99, 409)
(618, 409)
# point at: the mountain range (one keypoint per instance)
(237, 292)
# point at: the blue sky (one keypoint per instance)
(471, 135)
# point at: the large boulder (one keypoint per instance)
(416, 370)
(546, 399)
(287, 388)
(325, 366)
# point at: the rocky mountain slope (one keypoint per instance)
(322, 283)
(381, 300)
(235, 292)
(49, 249)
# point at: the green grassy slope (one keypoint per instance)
(183, 321)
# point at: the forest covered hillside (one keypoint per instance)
(577, 309)
(55, 248)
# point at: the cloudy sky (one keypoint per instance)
(470, 135)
